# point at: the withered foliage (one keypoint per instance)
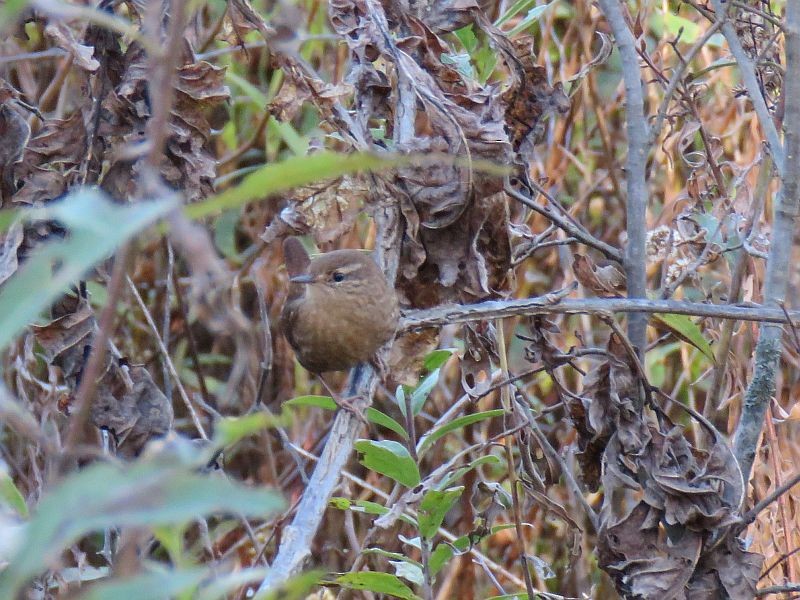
(657, 495)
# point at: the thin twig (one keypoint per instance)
(750, 81)
(88, 385)
(753, 513)
(162, 348)
(568, 225)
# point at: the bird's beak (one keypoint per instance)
(302, 279)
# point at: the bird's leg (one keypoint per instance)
(347, 404)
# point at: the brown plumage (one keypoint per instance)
(340, 308)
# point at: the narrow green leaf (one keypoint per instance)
(433, 509)
(432, 436)
(686, 329)
(389, 458)
(230, 430)
(373, 415)
(515, 9)
(423, 390)
(460, 472)
(96, 228)
(367, 507)
(533, 15)
(290, 173)
(11, 496)
(380, 583)
(148, 586)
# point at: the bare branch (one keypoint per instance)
(635, 165)
(787, 206)
(544, 305)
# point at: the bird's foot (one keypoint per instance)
(352, 405)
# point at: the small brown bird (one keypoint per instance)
(340, 308)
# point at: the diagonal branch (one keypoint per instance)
(750, 81)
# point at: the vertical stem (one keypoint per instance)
(768, 350)
(635, 163)
(505, 398)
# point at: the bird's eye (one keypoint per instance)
(337, 276)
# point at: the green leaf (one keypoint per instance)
(439, 557)
(373, 415)
(367, 507)
(514, 9)
(423, 390)
(685, 329)
(380, 583)
(461, 471)
(437, 358)
(149, 586)
(225, 234)
(391, 459)
(96, 227)
(520, 596)
(294, 589)
(533, 15)
(433, 508)
(159, 490)
(290, 173)
(230, 430)
(11, 496)
(432, 436)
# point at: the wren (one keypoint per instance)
(340, 309)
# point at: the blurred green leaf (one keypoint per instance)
(686, 329)
(294, 589)
(434, 507)
(290, 173)
(225, 234)
(11, 496)
(391, 459)
(96, 227)
(515, 9)
(373, 415)
(230, 430)
(148, 586)
(150, 492)
(380, 583)
(529, 19)
(432, 436)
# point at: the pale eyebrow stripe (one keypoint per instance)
(350, 268)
